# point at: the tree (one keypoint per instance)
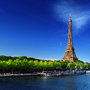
(31, 58)
(22, 57)
(4, 66)
(71, 65)
(41, 64)
(56, 65)
(63, 64)
(36, 64)
(77, 66)
(9, 64)
(50, 64)
(45, 64)
(31, 64)
(86, 65)
(81, 65)
(17, 64)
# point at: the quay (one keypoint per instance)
(17, 75)
(45, 73)
(23, 75)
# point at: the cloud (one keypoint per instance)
(79, 14)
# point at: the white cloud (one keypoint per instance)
(79, 14)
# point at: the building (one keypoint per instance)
(70, 53)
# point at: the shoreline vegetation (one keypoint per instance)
(23, 65)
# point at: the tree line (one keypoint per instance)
(24, 64)
(5, 58)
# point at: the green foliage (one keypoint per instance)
(50, 64)
(63, 64)
(71, 65)
(42, 64)
(22, 57)
(6, 58)
(22, 62)
(36, 64)
(82, 65)
(31, 64)
(57, 64)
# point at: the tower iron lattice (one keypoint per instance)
(70, 53)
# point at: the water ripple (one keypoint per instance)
(79, 82)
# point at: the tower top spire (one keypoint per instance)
(70, 18)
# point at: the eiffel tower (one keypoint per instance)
(70, 53)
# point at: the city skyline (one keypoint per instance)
(39, 29)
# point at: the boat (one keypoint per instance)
(63, 73)
(88, 72)
(73, 73)
(48, 74)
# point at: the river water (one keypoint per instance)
(78, 82)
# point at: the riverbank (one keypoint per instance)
(16, 75)
(43, 74)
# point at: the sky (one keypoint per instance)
(39, 28)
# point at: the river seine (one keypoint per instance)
(78, 82)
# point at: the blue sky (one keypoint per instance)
(39, 28)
